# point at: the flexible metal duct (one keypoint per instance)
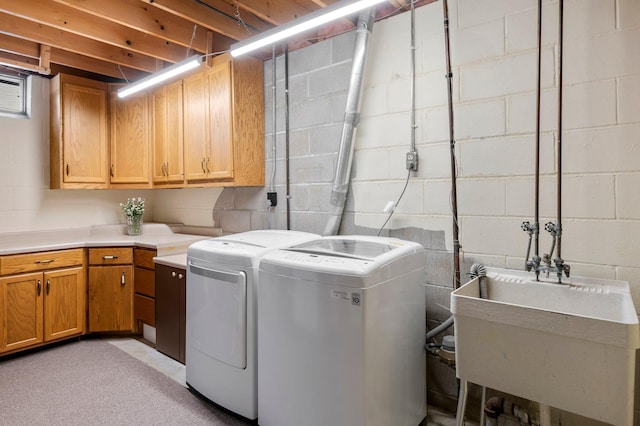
(351, 121)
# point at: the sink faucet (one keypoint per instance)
(544, 264)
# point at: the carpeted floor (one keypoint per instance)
(91, 382)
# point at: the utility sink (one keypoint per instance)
(571, 346)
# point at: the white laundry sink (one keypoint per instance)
(571, 346)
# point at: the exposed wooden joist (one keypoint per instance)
(23, 62)
(73, 60)
(276, 12)
(204, 17)
(29, 30)
(232, 8)
(142, 17)
(18, 46)
(49, 13)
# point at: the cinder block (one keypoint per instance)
(505, 156)
(480, 119)
(6, 199)
(599, 58)
(370, 164)
(374, 101)
(333, 79)
(601, 242)
(431, 89)
(309, 222)
(628, 13)
(485, 197)
(588, 18)
(508, 75)
(492, 235)
(310, 58)
(325, 139)
(628, 90)
(372, 196)
(384, 131)
(589, 105)
(314, 168)
(235, 220)
(434, 125)
(601, 150)
(251, 198)
(522, 28)
(298, 91)
(438, 300)
(520, 197)
(521, 112)
(342, 47)
(627, 196)
(300, 195)
(313, 113)
(473, 13)
(434, 160)
(437, 197)
(478, 42)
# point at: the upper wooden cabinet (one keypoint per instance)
(79, 156)
(129, 142)
(224, 123)
(167, 134)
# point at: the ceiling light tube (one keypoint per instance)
(162, 75)
(307, 22)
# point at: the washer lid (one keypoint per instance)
(245, 248)
(343, 247)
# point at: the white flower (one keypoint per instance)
(133, 207)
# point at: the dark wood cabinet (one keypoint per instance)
(144, 299)
(171, 311)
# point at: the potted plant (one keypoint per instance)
(133, 210)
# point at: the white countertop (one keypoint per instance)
(166, 239)
(175, 260)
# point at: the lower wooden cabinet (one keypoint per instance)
(144, 299)
(111, 289)
(40, 307)
(171, 302)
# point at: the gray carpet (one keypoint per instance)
(91, 382)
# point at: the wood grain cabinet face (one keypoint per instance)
(167, 134)
(224, 123)
(40, 307)
(129, 143)
(78, 133)
(111, 290)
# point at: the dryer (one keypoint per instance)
(220, 343)
(341, 333)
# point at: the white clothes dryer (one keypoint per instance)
(220, 345)
(341, 333)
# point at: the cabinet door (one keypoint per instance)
(129, 139)
(196, 124)
(20, 311)
(84, 133)
(170, 320)
(219, 163)
(167, 128)
(110, 298)
(64, 303)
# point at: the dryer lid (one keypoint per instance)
(346, 247)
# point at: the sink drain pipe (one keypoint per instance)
(351, 122)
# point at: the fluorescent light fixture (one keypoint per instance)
(307, 22)
(162, 75)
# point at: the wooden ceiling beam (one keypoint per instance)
(276, 12)
(19, 46)
(204, 17)
(141, 17)
(74, 60)
(32, 31)
(58, 16)
(232, 8)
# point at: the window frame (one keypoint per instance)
(25, 85)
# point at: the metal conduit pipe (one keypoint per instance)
(351, 121)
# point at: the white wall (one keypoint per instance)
(493, 45)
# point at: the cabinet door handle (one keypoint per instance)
(67, 169)
(180, 276)
(165, 169)
(173, 274)
(202, 165)
(109, 257)
(43, 262)
(39, 287)
(122, 280)
(208, 171)
(48, 287)
(111, 171)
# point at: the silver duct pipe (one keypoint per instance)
(351, 121)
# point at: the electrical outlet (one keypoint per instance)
(412, 161)
(272, 197)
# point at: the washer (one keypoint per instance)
(221, 331)
(341, 333)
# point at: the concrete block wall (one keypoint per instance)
(493, 47)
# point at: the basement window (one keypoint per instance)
(15, 99)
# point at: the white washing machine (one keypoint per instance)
(341, 333)
(221, 330)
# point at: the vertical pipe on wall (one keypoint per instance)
(559, 183)
(351, 121)
(273, 106)
(536, 229)
(413, 77)
(452, 145)
(286, 125)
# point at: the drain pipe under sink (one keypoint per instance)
(351, 121)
